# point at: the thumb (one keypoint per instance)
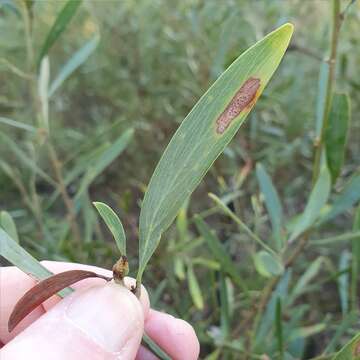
(101, 322)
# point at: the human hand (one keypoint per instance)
(98, 321)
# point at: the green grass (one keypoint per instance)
(121, 79)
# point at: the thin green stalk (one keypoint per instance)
(334, 239)
(335, 30)
(243, 226)
(154, 348)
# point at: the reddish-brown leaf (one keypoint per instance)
(45, 289)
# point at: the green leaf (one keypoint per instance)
(8, 224)
(321, 96)
(114, 224)
(318, 198)
(279, 329)
(343, 281)
(218, 251)
(104, 160)
(336, 133)
(272, 203)
(349, 196)
(43, 87)
(62, 20)
(194, 288)
(74, 62)
(15, 254)
(17, 124)
(306, 277)
(351, 351)
(267, 264)
(355, 261)
(155, 348)
(203, 136)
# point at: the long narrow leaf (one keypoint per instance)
(203, 136)
(318, 198)
(104, 160)
(74, 62)
(62, 20)
(336, 133)
(8, 224)
(351, 351)
(272, 203)
(15, 254)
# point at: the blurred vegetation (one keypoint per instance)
(98, 135)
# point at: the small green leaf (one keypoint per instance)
(15, 254)
(194, 288)
(62, 20)
(272, 203)
(351, 351)
(218, 251)
(8, 224)
(155, 348)
(203, 136)
(114, 224)
(74, 62)
(267, 264)
(336, 133)
(348, 197)
(318, 198)
(306, 277)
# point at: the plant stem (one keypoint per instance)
(69, 204)
(241, 224)
(335, 30)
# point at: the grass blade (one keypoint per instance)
(318, 198)
(355, 261)
(345, 200)
(204, 134)
(74, 62)
(104, 160)
(350, 351)
(155, 348)
(114, 224)
(336, 133)
(279, 329)
(62, 20)
(272, 203)
(194, 288)
(19, 257)
(8, 224)
(17, 124)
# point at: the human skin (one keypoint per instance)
(98, 321)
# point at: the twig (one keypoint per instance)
(335, 30)
(69, 204)
(306, 51)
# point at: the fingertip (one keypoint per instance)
(171, 334)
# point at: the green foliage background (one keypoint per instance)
(153, 61)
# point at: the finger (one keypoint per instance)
(101, 322)
(14, 283)
(175, 336)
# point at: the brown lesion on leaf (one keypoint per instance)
(245, 98)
